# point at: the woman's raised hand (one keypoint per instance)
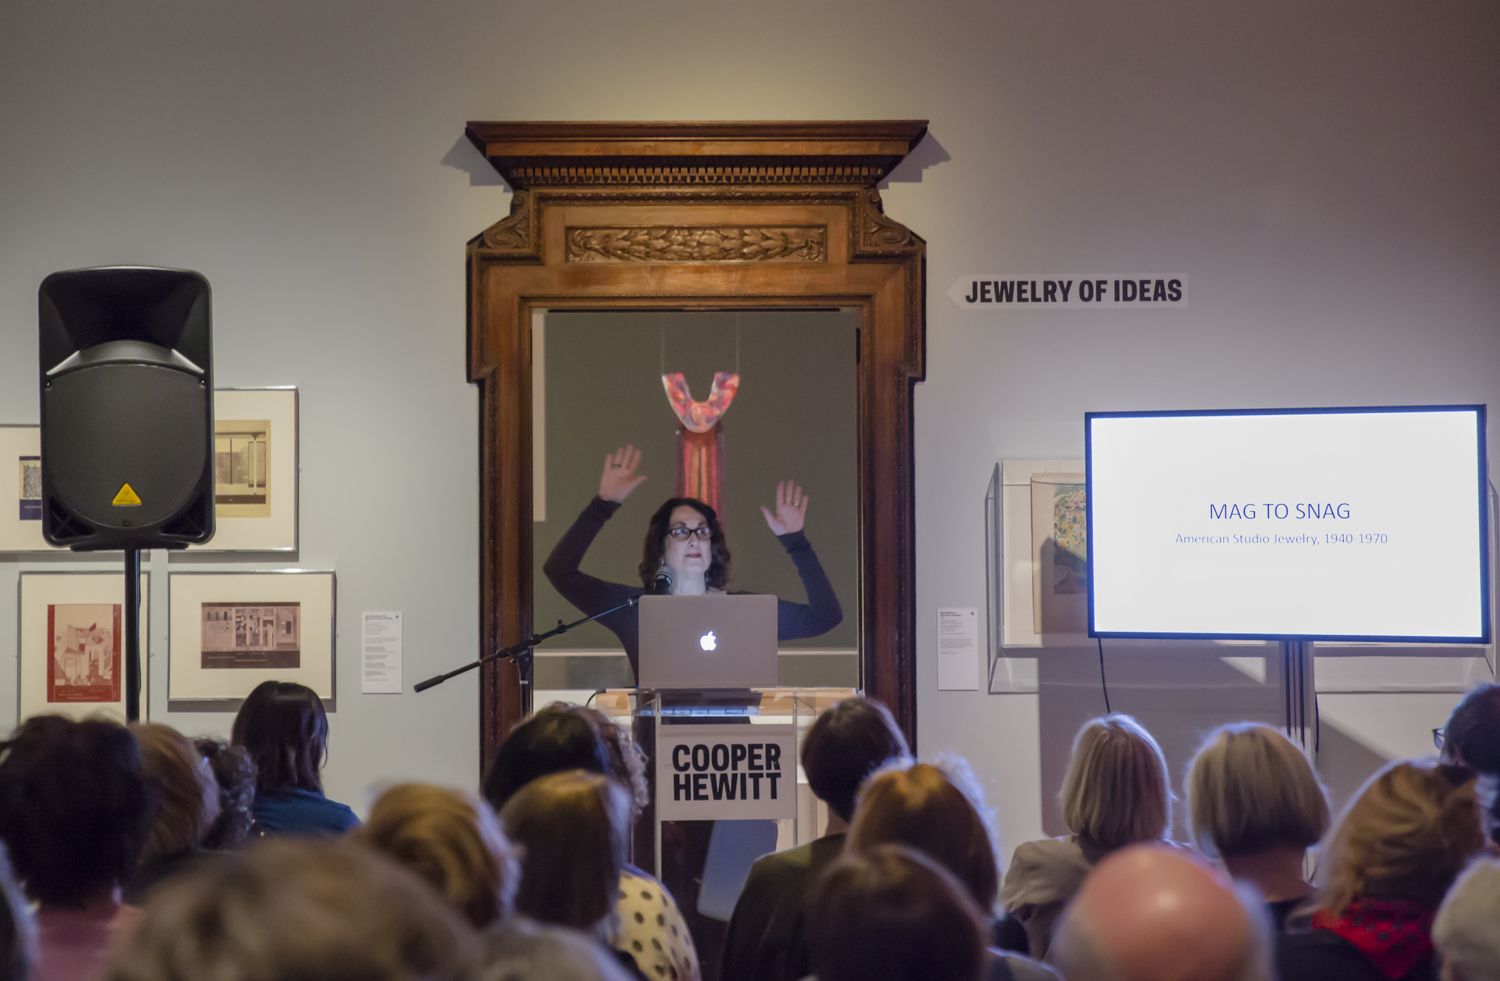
(619, 477)
(791, 509)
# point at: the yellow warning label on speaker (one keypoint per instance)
(127, 498)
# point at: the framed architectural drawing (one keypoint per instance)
(21, 490)
(71, 645)
(255, 470)
(229, 631)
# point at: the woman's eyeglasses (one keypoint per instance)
(681, 532)
(1439, 736)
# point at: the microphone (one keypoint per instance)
(662, 584)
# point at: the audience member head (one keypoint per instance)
(290, 910)
(1406, 836)
(1472, 736)
(1117, 791)
(522, 950)
(548, 742)
(186, 793)
(625, 760)
(1153, 913)
(1465, 931)
(1250, 789)
(451, 839)
(75, 807)
(572, 831)
(938, 812)
(845, 745)
(234, 772)
(17, 928)
(893, 914)
(283, 727)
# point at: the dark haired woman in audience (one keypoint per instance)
(892, 914)
(283, 728)
(1116, 792)
(187, 804)
(75, 811)
(235, 775)
(1255, 803)
(1398, 847)
(553, 740)
(684, 540)
(940, 812)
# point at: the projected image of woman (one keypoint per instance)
(685, 554)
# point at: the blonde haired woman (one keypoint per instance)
(1255, 803)
(1395, 852)
(451, 839)
(1116, 793)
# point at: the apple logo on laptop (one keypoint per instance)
(708, 641)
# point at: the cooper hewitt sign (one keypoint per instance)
(725, 773)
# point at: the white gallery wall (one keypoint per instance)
(1324, 171)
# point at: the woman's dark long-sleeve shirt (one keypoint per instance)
(820, 614)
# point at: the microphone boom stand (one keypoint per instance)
(524, 647)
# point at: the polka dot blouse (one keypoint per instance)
(650, 929)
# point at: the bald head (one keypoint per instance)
(1151, 913)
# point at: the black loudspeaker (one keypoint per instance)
(127, 408)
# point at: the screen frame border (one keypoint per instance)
(1486, 613)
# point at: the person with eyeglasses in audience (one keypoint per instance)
(685, 554)
(1472, 738)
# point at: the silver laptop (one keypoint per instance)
(708, 642)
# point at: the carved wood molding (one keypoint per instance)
(534, 155)
(635, 235)
(703, 243)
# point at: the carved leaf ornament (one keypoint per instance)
(680, 243)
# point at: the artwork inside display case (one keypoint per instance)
(71, 644)
(231, 631)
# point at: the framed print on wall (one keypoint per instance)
(72, 649)
(255, 470)
(230, 631)
(21, 490)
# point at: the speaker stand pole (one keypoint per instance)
(133, 635)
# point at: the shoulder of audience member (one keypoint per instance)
(1043, 871)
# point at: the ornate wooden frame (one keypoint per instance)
(698, 216)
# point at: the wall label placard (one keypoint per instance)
(725, 773)
(1070, 292)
